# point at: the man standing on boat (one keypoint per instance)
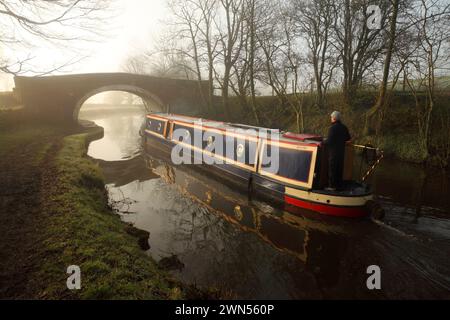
(338, 135)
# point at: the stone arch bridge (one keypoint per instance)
(59, 98)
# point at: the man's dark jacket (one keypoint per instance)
(337, 136)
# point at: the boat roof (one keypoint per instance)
(287, 137)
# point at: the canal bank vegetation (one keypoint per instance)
(399, 136)
(385, 66)
(83, 231)
(54, 214)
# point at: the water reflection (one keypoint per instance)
(417, 200)
(284, 231)
(120, 140)
(226, 242)
(256, 251)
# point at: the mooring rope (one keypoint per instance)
(377, 161)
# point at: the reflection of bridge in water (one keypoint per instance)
(59, 98)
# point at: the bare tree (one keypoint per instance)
(359, 47)
(381, 100)
(431, 23)
(137, 64)
(271, 45)
(255, 13)
(187, 23)
(230, 46)
(161, 63)
(292, 64)
(59, 21)
(208, 9)
(283, 62)
(315, 20)
(193, 27)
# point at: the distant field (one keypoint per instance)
(442, 83)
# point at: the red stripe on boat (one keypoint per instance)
(302, 136)
(352, 212)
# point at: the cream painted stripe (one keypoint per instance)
(333, 200)
(154, 133)
(226, 160)
(223, 133)
(291, 146)
(294, 182)
(284, 179)
(157, 118)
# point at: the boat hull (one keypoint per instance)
(288, 197)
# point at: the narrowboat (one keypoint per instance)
(285, 168)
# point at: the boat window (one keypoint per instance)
(184, 133)
(237, 149)
(157, 126)
(295, 165)
(241, 150)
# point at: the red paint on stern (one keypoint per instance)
(352, 212)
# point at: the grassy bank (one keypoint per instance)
(54, 213)
(83, 231)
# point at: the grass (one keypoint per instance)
(403, 146)
(54, 213)
(82, 230)
(24, 137)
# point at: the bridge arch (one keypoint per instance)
(140, 92)
(59, 98)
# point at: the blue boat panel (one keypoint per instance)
(293, 164)
(236, 171)
(242, 150)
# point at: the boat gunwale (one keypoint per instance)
(281, 139)
(356, 211)
(274, 180)
(169, 123)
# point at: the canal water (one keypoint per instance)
(209, 234)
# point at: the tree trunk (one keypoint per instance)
(381, 101)
(225, 99)
(252, 62)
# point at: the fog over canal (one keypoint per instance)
(216, 237)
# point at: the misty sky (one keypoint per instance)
(135, 26)
(134, 30)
